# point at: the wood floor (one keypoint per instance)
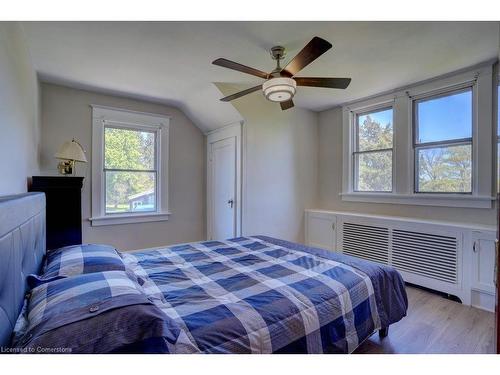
(435, 324)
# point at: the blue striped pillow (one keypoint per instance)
(81, 259)
(99, 312)
(83, 291)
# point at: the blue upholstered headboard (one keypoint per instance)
(22, 248)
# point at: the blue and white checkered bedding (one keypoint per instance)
(99, 312)
(81, 259)
(250, 295)
(58, 297)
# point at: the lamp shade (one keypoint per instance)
(279, 89)
(71, 150)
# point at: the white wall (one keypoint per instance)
(330, 183)
(280, 166)
(19, 111)
(66, 113)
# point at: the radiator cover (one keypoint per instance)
(425, 254)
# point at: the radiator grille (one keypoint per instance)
(425, 254)
(366, 241)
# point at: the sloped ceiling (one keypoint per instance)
(170, 62)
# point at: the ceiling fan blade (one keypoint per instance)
(286, 105)
(332, 83)
(314, 49)
(225, 63)
(241, 93)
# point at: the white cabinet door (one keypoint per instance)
(483, 270)
(483, 261)
(321, 229)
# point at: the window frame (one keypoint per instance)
(481, 78)
(155, 170)
(446, 143)
(355, 149)
(108, 117)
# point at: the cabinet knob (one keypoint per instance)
(333, 226)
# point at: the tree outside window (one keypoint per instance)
(373, 151)
(443, 143)
(130, 170)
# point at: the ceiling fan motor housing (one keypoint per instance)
(278, 53)
(279, 89)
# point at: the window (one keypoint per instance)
(426, 144)
(443, 143)
(129, 167)
(130, 170)
(373, 151)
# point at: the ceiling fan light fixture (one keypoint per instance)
(279, 89)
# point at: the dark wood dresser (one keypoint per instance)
(64, 208)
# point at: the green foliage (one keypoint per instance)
(374, 136)
(374, 168)
(445, 169)
(127, 150)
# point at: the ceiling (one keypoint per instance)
(170, 62)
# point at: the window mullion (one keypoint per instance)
(448, 142)
(128, 170)
(373, 151)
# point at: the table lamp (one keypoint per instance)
(70, 152)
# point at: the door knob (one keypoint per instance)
(230, 203)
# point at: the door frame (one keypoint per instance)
(229, 131)
(497, 279)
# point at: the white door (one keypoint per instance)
(223, 188)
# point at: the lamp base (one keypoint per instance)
(66, 167)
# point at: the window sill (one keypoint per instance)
(442, 200)
(117, 219)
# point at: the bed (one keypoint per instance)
(252, 294)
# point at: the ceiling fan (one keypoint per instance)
(281, 84)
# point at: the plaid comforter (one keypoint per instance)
(248, 295)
